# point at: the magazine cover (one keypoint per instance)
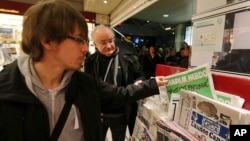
(198, 79)
(206, 118)
(141, 132)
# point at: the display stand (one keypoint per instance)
(225, 82)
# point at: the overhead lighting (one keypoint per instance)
(168, 28)
(105, 1)
(165, 15)
(126, 9)
(9, 10)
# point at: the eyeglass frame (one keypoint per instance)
(105, 42)
(78, 40)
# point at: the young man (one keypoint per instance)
(117, 66)
(42, 95)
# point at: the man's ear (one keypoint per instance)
(45, 44)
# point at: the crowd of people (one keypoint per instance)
(151, 56)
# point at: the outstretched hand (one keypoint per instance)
(161, 81)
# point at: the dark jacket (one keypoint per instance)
(24, 118)
(149, 64)
(131, 71)
(183, 62)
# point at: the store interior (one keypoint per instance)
(217, 32)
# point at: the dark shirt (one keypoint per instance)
(149, 65)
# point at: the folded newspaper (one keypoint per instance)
(197, 79)
(141, 132)
(171, 131)
(231, 99)
(207, 118)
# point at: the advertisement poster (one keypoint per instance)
(209, 33)
(207, 39)
(10, 37)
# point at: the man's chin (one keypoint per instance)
(110, 54)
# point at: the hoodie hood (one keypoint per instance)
(25, 64)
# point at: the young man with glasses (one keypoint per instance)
(43, 96)
(119, 67)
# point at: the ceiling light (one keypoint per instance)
(168, 28)
(165, 15)
(105, 1)
(9, 10)
(127, 10)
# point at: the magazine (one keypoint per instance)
(141, 132)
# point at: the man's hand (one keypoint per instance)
(161, 81)
(137, 82)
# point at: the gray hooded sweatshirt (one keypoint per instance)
(53, 100)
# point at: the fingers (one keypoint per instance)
(138, 82)
(161, 81)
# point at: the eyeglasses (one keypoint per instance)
(103, 43)
(79, 40)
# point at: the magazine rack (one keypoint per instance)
(229, 83)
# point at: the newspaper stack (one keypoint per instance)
(206, 118)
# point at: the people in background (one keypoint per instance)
(185, 52)
(173, 59)
(160, 52)
(165, 54)
(43, 95)
(150, 61)
(117, 66)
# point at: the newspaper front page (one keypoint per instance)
(206, 118)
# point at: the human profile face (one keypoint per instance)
(172, 53)
(185, 52)
(152, 50)
(71, 52)
(105, 42)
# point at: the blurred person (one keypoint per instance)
(118, 66)
(173, 59)
(142, 53)
(160, 52)
(185, 52)
(43, 95)
(149, 62)
(166, 54)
